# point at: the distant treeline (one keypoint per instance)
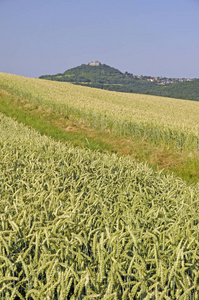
(109, 78)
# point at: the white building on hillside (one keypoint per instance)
(94, 64)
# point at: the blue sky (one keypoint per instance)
(144, 37)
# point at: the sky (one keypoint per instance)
(143, 37)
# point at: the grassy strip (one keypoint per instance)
(184, 165)
(46, 124)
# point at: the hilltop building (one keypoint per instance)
(94, 64)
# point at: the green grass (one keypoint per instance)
(44, 124)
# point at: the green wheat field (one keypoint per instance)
(80, 224)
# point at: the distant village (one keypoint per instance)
(161, 80)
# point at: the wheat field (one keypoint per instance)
(77, 224)
(171, 121)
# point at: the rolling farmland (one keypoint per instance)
(80, 224)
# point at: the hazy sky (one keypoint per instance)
(144, 37)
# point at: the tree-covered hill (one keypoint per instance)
(109, 78)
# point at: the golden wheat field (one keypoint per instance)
(159, 111)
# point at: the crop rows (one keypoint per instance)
(76, 224)
(160, 120)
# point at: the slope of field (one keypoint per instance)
(77, 224)
(160, 119)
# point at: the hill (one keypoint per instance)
(105, 77)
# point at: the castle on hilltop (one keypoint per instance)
(94, 64)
